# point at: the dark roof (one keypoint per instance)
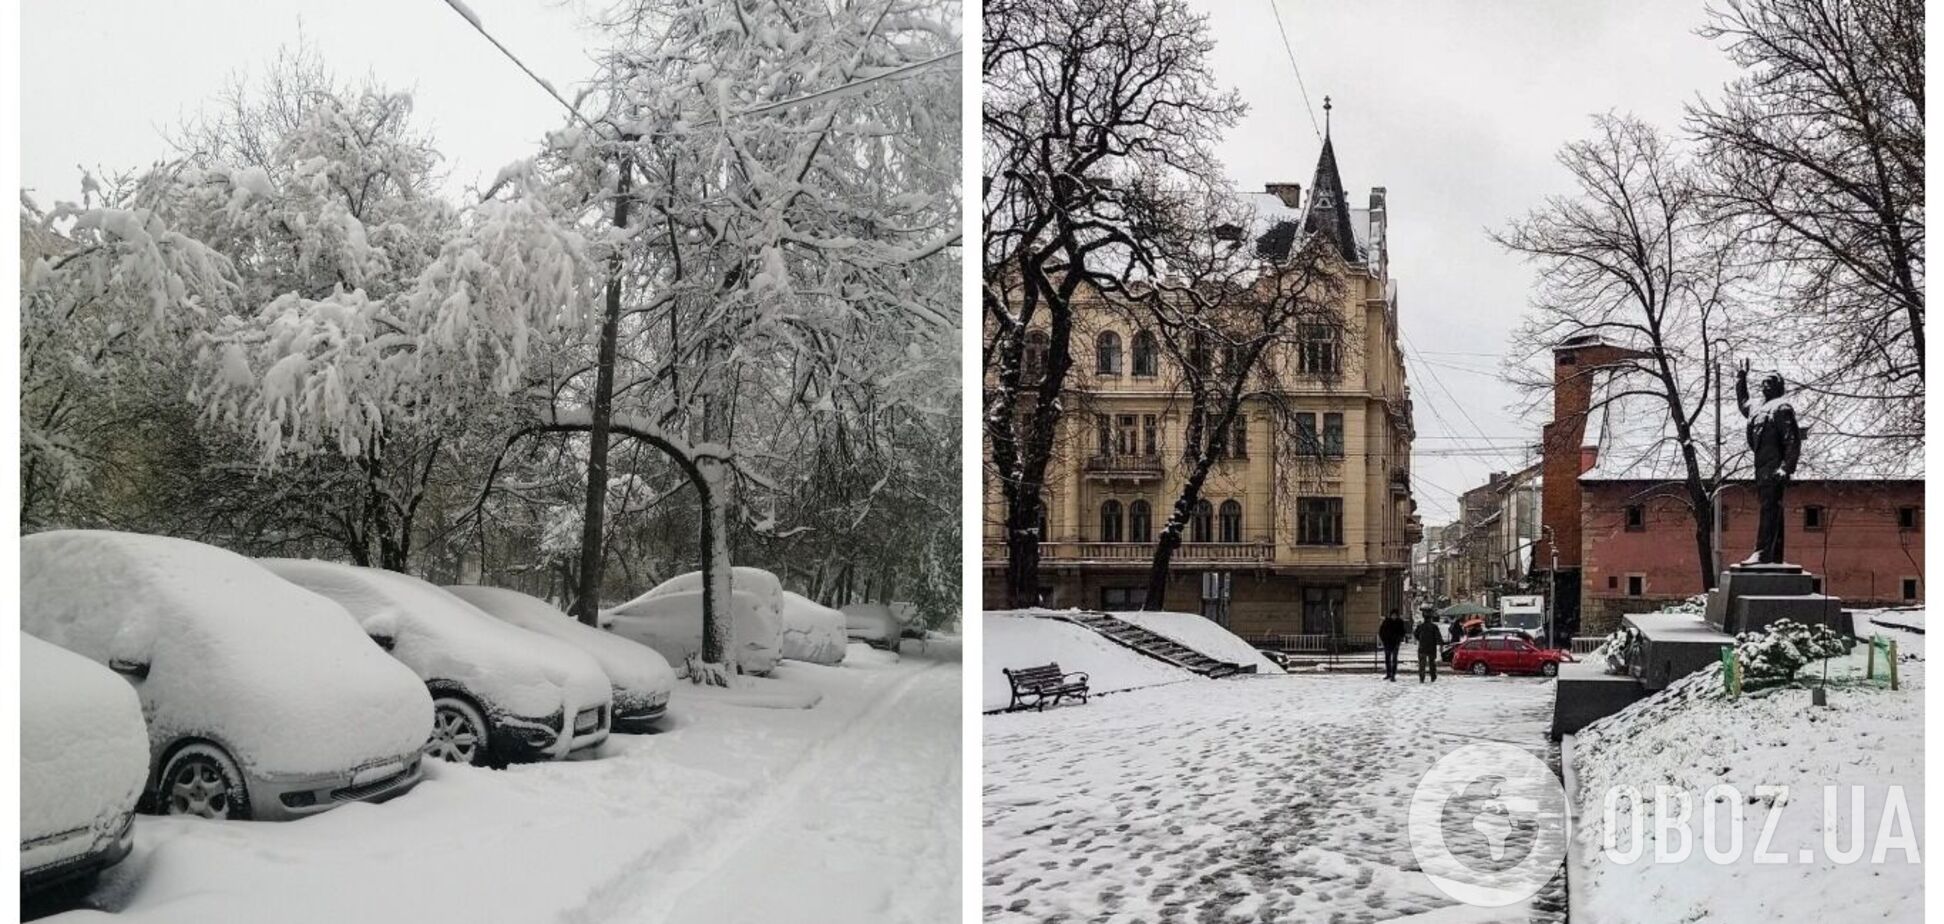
(1329, 208)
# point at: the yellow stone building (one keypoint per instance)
(1312, 534)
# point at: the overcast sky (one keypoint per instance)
(102, 81)
(1456, 108)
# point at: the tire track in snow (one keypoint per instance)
(644, 890)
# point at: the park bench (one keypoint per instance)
(1043, 685)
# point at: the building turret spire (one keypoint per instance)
(1329, 208)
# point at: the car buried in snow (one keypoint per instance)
(500, 694)
(874, 625)
(640, 677)
(83, 764)
(668, 619)
(263, 700)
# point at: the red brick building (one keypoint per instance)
(1615, 503)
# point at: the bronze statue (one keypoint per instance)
(1776, 441)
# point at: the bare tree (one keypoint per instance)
(1232, 320)
(1082, 96)
(1817, 155)
(1633, 259)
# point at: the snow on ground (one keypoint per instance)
(1021, 638)
(1692, 737)
(1203, 635)
(848, 807)
(1255, 798)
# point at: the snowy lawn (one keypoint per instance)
(1265, 798)
(1018, 639)
(1692, 738)
(844, 812)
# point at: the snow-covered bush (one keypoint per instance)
(1697, 605)
(1776, 655)
(1613, 652)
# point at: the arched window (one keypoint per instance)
(1144, 353)
(1201, 527)
(1140, 522)
(1037, 343)
(1110, 521)
(1107, 353)
(1231, 521)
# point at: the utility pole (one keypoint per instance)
(1552, 579)
(1714, 496)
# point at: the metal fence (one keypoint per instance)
(1316, 644)
(1585, 644)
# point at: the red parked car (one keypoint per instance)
(1506, 654)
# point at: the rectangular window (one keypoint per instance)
(1323, 610)
(1239, 437)
(1333, 435)
(1122, 598)
(1319, 521)
(1636, 585)
(1103, 435)
(1613, 582)
(1125, 435)
(1636, 518)
(1812, 518)
(1149, 443)
(1907, 518)
(1317, 353)
(1307, 441)
(1910, 589)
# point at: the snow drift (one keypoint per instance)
(1025, 638)
(83, 752)
(641, 678)
(441, 637)
(279, 676)
(811, 631)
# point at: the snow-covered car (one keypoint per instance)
(669, 618)
(263, 700)
(873, 624)
(500, 694)
(639, 676)
(83, 764)
(811, 631)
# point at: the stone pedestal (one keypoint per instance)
(1587, 693)
(1672, 646)
(1779, 580)
(1755, 613)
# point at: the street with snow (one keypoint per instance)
(841, 812)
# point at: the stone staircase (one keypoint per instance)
(1154, 644)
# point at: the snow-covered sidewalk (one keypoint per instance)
(850, 805)
(1271, 798)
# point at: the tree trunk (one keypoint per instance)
(1023, 540)
(718, 603)
(588, 605)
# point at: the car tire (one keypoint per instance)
(459, 732)
(1478, 668)
(200, 779)
(1549, 669)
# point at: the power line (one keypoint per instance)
(1291, 51)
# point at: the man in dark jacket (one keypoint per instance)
(1428, 638)
(1391, 632)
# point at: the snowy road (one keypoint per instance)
(845, 812)
(1275, 798)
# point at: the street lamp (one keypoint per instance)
(1552, 546)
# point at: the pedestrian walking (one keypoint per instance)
(1428, 638)
(1391, 632)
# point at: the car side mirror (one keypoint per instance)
(129, 667)
(384, 641)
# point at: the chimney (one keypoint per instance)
(1377, 195)
(1291, 194)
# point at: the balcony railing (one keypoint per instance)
(1244, 553)
(1110, 465)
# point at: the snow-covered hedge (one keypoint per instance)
(1776, 655)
